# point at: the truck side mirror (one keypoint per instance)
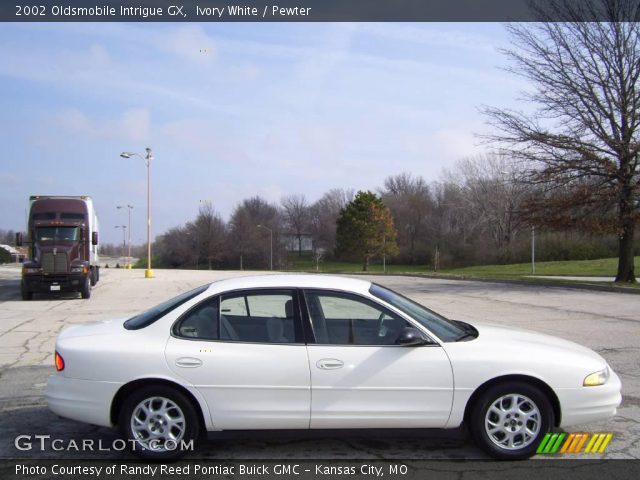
(94, 238)
(19, 239)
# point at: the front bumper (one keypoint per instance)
(588, 404)
(83, 400)
(51, 283)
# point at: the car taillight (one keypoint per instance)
(59, 362)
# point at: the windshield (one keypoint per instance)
(147, 318)
(445, 329)
(68, 234)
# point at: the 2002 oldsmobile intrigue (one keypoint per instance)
(321, 352)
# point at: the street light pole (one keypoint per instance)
(147, 159)
(128, 207)
(270, 245)
(533, 250)
(124, 236)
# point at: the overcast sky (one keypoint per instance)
(236, 110)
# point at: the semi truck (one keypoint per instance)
(62, 236)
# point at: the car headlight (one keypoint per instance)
(31, 269)
(596, 378)
(79, 269)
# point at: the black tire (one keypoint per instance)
(26, 294)
(85, 292)
(183, 424)
(524, 427)
(94, 279)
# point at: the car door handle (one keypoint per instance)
(188, 362)
(329, 364)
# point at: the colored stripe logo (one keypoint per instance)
(574, 443)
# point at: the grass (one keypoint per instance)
(308, 264)
(604, 267)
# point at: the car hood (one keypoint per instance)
(104, 327)
(533, 343)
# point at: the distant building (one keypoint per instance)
(16, 255)
(291, 242)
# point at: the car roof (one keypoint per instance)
(300, 280)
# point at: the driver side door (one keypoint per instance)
(360, 376)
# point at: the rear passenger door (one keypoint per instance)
(245, 352)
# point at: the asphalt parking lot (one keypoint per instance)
(609, 323)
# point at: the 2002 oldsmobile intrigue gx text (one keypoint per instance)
(321, 352)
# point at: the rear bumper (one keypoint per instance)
(588, 404)
(54, 283)
(83, 400)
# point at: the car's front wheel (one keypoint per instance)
(509, 420)
(159, 423)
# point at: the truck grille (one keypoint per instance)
(54, 263)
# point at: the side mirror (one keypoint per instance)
(410, 337)
(19, 239)
(94, 238)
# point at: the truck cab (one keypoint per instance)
(62, 236)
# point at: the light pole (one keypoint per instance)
(533, 250)
(384, 254)
(124, 235)
(270, 245)
(147, 159)
(128, 207)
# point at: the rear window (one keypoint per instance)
(150, 316)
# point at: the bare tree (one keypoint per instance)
(296, 215)
(323, 216)
(410, 202)
(583, 140)
(209, 232)
(247, 240)
(493, 196)
(7, 237)
(170, 248)
(452, 227)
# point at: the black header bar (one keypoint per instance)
(282, 10)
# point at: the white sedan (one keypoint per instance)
(320, 352)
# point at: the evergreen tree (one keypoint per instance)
(365, 229)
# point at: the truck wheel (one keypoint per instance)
(86, 288)
(93, 276)
(26, 294)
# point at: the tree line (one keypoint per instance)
(475, 214)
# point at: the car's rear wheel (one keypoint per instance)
(509, 420)
(159, 422)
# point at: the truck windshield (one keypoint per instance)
(69, 234)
